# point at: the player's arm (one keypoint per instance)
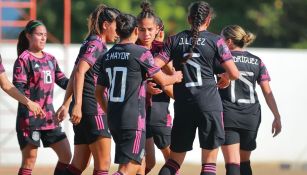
(61, 113)
(78, 84)
(12, 91)
(270, 100)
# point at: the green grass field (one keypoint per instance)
(187, 169)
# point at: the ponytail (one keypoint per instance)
(101, 14)
(238, 35)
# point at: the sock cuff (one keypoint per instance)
(173, 163)
(24, 171)
(74, 170)
(246, 162)
(61, 166)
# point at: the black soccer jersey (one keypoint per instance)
(1, 66)
(124, 73)
(91, 51)
(240, 101)
(198, 85)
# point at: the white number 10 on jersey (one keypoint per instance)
(112, 83)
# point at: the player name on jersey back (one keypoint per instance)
(244, 59)
(188, 41)
(117, 56)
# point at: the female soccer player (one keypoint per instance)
(242, 113)
(92, 136)
(158, 118)
(12, 91)
(35, 73)
(124, 73)
(197, 102)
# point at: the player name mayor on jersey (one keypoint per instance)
(244, 59)
(117, 56)
(188, 41)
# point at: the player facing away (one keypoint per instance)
(158, 118)
(242, 112)
(35, 73)
(124, 71)
(12, 91)
(197, 102)
(92, 136)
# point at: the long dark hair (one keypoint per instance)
(23, 42)
(198, 13)
(101, 14)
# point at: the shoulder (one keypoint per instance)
(25, 55)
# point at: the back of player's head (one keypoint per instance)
(238, 35)
(125, 25)
(198, 13)
(101, 14)
(23, 42)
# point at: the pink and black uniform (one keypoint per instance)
(197, 101)
(94, 121)
(158, 118)
(242, 111)
(35, 78)
(124, 73)
(1, 66)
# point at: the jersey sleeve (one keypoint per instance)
(263, 73)
(1, 66)
(224, 53)
(91, 53)
(20, 73)
(165, 52)
(60, 78)
(147, 62)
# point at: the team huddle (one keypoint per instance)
(123, 93)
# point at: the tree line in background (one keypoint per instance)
(277, 23)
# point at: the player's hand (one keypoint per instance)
(36, 109)
(61, 113)
(150, 88)
(223, 81)
(179, 76)
(276, 126)
(76, 115)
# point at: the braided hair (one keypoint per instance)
(198, 13)
(101, 14)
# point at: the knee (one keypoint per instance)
(66, 157)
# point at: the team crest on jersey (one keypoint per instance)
(35, 136)
(50, 64)
(90, 49)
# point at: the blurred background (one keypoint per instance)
(281, 30)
